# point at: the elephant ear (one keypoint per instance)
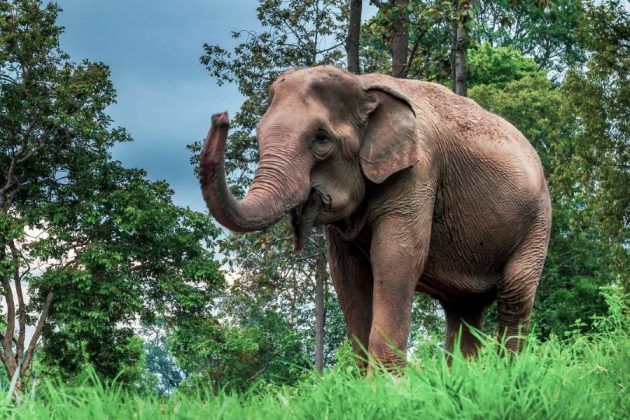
(389, 142)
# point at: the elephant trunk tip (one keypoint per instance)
(221, 119)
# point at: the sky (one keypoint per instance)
(165, 96)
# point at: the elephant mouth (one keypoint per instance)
(303, 217)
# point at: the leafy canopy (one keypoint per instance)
(106, 244)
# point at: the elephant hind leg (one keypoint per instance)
(517, 289)
(460, 320)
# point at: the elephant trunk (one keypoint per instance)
(269, 197)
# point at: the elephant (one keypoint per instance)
(418, 189)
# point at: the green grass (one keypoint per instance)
(581, 377)
(586, 378)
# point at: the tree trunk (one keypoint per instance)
(320, 302)
(459, 55)
(400, 39)
(354, 32)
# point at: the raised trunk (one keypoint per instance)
(266, 201)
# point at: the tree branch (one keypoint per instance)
(16, 158)
(377, 3)
(325, 50)
(414, 49)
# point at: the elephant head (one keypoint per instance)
(324, 137)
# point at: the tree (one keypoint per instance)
(498, 66)
(142, 257)
(598, 95)
(400, 37)
(159, 358)
(238, 352)
(395, 16)
(93, 245)
(398, 21)
(45, 102)
(428, 26)
(541, 29)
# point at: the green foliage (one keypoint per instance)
(160, 361)
(270, 276)
(110, 246)
(234, 357)
(543, 30)
(429, 40)
(426, 320)
(599, 96)
(498, 66)
(142, 256)
(581, 376)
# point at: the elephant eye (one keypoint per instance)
(321, 144)
(321, 136)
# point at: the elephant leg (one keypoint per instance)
(398, 255)
(352, 278)
(516, 291)
(460, 319)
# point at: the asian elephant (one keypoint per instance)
(420, 190)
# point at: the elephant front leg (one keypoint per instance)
(352, 278)
(398, 255)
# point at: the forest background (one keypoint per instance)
(100, 268)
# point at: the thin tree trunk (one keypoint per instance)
(459, 55)
(354, 32)
(17, 280)
(39, 328)
(8, 357)
(460, 61)
(400, 40)
(17, 361)
(320, 303)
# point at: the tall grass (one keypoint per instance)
(579, 377)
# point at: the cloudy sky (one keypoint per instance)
(165, 97)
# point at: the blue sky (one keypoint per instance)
(165, 96)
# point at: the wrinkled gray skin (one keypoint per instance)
(420, 190)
